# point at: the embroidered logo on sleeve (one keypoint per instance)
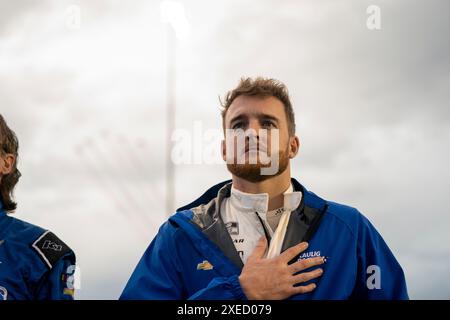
(205, 265)
(69, 281)
(3, 294)
(50, 248)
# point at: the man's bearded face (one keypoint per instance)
(257, 142)
(250, 160)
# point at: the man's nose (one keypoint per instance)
(254, 127)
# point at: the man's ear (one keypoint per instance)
(294, 146)
(224, 151)
(7, 164)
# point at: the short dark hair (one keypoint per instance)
(9, 144)
(261, 87)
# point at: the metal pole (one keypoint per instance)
(170, 101)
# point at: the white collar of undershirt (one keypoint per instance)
(259, 202)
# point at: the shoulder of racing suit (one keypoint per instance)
(28, 254)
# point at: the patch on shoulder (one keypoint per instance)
(50, 248)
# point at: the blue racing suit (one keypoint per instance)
(193, 256)
(34, 263)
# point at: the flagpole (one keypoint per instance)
(171, 109)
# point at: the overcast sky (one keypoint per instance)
(88, 104)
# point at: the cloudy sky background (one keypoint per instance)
(88, 104)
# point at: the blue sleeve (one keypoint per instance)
(379, 275)
(221, 288)
(158, 275)
(58, 282)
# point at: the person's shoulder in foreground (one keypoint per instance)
(374, 271)
(34, 263)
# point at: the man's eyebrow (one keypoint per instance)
(260, 116)
(238, 117)
(263, 116)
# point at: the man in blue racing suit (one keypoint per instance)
(263, 235)
(34, 263)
